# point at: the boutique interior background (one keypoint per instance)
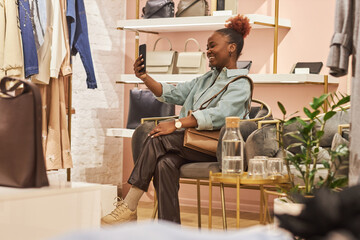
(102, 159)
(97, 158)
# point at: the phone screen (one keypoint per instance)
(142, 51)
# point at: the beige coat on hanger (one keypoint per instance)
(56, 141)
(11, 54)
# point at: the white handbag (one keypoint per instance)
(191, 62)
(161, 62)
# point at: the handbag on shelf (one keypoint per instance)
(158, 9)
(244, 64)
(314, 67)
(22, 162)
(207, 141)
(191, 8)
(161, 62)
(191, 62)
(144, 104)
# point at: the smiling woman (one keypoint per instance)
(161, 154)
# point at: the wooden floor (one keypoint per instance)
(189, 217)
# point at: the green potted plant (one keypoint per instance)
(308, 137)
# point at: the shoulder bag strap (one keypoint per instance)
(180, 11)
(207, 102)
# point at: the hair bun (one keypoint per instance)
(239, 23)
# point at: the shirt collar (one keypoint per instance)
(234, 72)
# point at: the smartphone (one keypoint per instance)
(142, 51)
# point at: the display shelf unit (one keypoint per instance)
(201, 23)
(257, 78)
(119, 132)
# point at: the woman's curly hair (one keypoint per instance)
(236, 29)
(239, 23)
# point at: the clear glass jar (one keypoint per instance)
(232, 148)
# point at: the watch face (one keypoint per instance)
(178, 124)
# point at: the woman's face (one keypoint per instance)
(218, 49)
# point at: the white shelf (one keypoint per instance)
(119, 132)
(257, 78)
(202, 23)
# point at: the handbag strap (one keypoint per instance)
(40, 171)
(194, 40)
(159, 40)
(180, 11)
(162, 4)
(207, 102)
(6, 91)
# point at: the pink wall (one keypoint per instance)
(307, 40)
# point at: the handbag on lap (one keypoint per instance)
(21, 151)
(207, 141)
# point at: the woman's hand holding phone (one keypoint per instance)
(140, 63)
(138, 68)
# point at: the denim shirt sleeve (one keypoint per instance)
(79, 38)
(232, 103)
(177, 94)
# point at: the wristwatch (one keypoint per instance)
(178, 124)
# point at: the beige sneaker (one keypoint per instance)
(120, 214)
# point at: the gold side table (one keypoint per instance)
(238, 180)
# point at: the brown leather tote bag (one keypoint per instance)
(21, 153)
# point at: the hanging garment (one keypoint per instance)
(52, 52)
(79, 38)
(29, 48)
(38, 15)
(56, 141)
(344, 43)
(66, 65)
(11, 57)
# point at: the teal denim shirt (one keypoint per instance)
(191, 94)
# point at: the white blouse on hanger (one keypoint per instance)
(52, 52)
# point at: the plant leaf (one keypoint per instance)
(302, 122)
(317, 102)
(319, 134)
(290, 121)
(282, 108)
(329, 115)
(307, 112)
(343, 100)
(326, 164)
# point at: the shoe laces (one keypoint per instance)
(120, 207)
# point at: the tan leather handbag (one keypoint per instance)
(191, 8)
(191, 62)
(161, 62)
(207, 141)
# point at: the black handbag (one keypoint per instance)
(143, 104)
(21, 151)
(314, 67)
(244, 65)
(158, 9)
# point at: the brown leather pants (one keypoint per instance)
(162, 158)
